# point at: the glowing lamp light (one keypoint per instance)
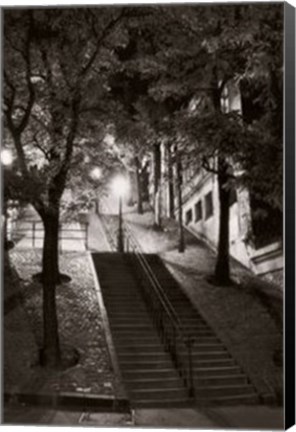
(6, 157)
(96, 173)
(120, 186)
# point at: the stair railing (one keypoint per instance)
(164, 315)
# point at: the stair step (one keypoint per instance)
(145, 348)
(126, 334)
(140, 356)
(211, 355)
(131, 296)
(224, 390)
(199, 332)
(198, 348)
(123, 304)
(161, 373)
(122, 301)
(213, 363)
(130, 325)
(159, 382)
(206, 340)
(137, 365)
(246, 399)
(135, 338)
(195, 326)
(161, 403)
(125, 308)
(216, 371)
(192, 320)
(124, 314)
(131, 321)
(220, 380)
(131, 329)
(152, 394)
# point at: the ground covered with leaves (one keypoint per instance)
(80, 327)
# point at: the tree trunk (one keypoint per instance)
(170, 183)
(181, 246)
(139, 187)
(157, 188)
(4, 225)
(51, 348)
(222, 270)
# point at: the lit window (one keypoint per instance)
(188, 217)
(208, 205)
(198, 211)
(225, 100)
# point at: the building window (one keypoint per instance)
(267, 222)
(198, 211)
(208, 205)
(188, 217)
(232, 196)
(225, 100)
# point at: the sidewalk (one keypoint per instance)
(97, 240)
(30, 233)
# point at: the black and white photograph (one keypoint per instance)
(142, 224)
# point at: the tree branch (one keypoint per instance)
(60, 178)
(99, 40)
(205, 164)
(27, 57)
(39, 146)
(41, 123)
(9, 101)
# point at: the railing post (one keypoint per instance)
(60, 238)
(189, 343)
(127, 243)
(33, 234)
(86, 235)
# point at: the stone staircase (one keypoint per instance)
(217, 377)
(148, 373)
(147, 370)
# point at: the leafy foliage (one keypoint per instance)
(56, 68)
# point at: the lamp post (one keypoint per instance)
(6, 161)
(96, 174)
(120, 187)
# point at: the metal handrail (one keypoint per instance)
(163, 313)
(177, 333)
(165, 301)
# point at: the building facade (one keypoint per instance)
(257, 244)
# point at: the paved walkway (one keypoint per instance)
(30, 233)
(238, 417)
(97, 240)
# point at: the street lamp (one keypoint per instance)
(96, 174)
(6, 157)
(120, 187)
(6, 161)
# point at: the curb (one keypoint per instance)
(70, 400)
